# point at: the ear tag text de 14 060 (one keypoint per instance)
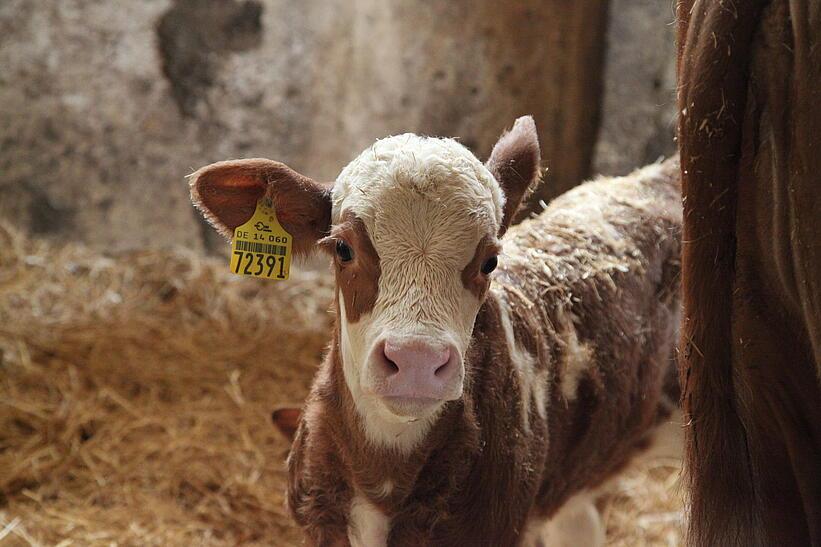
(261, 247)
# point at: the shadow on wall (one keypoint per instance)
(193, 35)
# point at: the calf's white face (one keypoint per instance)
(412, 225)
(427, 213)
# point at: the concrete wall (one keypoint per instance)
(106, 106)
(639, 102)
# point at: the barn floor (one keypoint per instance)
(135, 400)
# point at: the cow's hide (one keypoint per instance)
(750, 141)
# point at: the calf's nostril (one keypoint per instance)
(441, 369)
(392, 367)
(389, 366)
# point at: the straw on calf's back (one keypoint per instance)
(456, 408)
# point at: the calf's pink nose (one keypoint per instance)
(416, 368)
(417, 355)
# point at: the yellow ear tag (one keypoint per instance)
(261, 247)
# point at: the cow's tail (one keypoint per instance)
(714, 40)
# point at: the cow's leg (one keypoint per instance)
(578, 522)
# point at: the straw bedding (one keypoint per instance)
(135, 401)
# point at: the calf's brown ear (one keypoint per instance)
(286, 421)
(514, 162)
(227, 193)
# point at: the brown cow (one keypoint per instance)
(458, 406)
(750, 141)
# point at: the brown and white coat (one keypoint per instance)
(561, 362)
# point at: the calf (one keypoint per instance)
(459, 405)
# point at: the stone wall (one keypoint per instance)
(639, 102)
(106, 106)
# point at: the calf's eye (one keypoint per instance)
(490, 265)
(343, 251)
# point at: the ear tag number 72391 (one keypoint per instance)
(261, 247)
